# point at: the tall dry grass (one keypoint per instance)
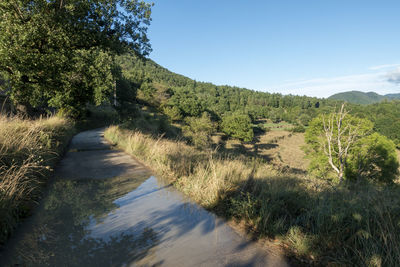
(204, 176)
(28, 151)
(353, 224)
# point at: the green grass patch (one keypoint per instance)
(280, 126)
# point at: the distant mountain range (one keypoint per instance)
(358, 97)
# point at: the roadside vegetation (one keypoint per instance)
(317, 220)
(57, 57)
(29, 150)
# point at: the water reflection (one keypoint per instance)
(127, 222)
(60, 233)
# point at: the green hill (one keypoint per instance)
(393, 96)
(358, 97)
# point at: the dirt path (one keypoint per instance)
(105, 209)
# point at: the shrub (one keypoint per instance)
(199, 130)
(298, 129)
(374, 158)
(238, 126)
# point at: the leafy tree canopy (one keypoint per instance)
(59, 53)
(374, 157)
(199, 130)
(187, 102)
(238, 126)
(173, 113)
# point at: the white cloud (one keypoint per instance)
(381, 82)
(394, 76)
(385, 66)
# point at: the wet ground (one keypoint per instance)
(106, 209)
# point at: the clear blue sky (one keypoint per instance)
(316, 48)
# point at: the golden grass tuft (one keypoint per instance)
(28, 152)
(205, 176)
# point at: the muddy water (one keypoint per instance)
(129, 220)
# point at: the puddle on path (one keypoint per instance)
(124, 222)
(60, 231)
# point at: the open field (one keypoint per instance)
(315, 221)
(271, 126)
(282, 149)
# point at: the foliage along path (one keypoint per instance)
(105, 209)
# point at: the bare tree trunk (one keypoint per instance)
(341, 172)
(335, 147)
(339, 136)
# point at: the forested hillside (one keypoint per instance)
(385, 116)
(357, 97)
(249, 175)
(180, 96)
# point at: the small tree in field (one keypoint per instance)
(238, 126)
(199, 130)
(331, 139)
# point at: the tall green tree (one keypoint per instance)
(59, 53)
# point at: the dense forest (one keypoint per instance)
(385, 116)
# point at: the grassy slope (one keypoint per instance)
(29, 150)
(315, 221)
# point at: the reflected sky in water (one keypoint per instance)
(60, 232)
(125, 222)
